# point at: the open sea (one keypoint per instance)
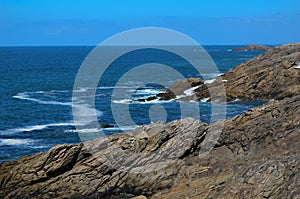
(36, 88)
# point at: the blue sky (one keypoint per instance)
(88, 22)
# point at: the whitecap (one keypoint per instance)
(10, 141)
(122, 101)
(190, 91)
(205, 99)
(146, 91)
(33, 128)
(25, 96)
(209, 81)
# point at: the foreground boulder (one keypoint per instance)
(256, 156)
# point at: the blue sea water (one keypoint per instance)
(36, 85)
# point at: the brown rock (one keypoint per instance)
(257, 156)
(271, 75)
(253, 47)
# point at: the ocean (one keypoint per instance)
(36, 86)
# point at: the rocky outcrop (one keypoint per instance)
(177, 89)
(253, 47)
(271, 75)
(256, 156)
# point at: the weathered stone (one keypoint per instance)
(256, 156)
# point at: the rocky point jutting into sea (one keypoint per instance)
(256, 156)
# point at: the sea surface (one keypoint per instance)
(36, 86)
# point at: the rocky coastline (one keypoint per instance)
(257, 154)
(272, 75)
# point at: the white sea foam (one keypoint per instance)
(190, 91)
(209, 81)
(146, 91)
(122, 101)
(10, 141)
(298, 66)
(25, 96)
(87, 112)
(204, 99)
(33, 128)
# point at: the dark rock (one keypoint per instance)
(151, 98)
(253, 47)
(178, 88)
(256, 156)
(167, 94)
(103, 126)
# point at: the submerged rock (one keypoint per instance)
(103, 126)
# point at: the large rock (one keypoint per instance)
(256, 156)
(176, 90)
(253, 47)
(271, 75)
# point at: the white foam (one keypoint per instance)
(224, 80)
(25, 96)
(122, 101)
(204, 99)
(33, 128)
(147, 91)
(190, 91)
(298, 66)
(209, 81)
(10, 141)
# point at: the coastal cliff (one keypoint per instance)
(257, 154)
(272, 75)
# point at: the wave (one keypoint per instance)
(146, 91)
(25, 96)
(34, 128)
(204, 99)
(190, 91)
(209, 81)
(10, 142)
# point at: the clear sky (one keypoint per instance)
(88, 22)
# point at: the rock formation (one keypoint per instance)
(253, 47)
(271, 75)
(256, 154)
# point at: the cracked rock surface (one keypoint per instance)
(256, 156)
